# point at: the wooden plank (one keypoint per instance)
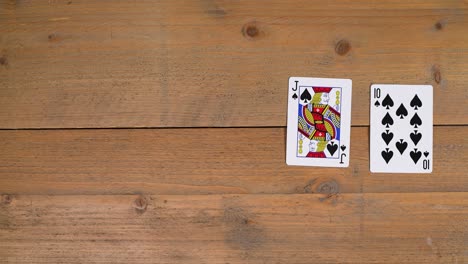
(349, 228)
(77, 63)
(204, 161)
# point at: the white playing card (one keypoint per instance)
(401, 128)
(319, 122)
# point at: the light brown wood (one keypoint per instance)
(199, 194)
(74, 63)
(308, 228)
(204, 161)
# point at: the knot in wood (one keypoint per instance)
(250, 30)
(342, 47)
(322, 185)
(53, 37)
(328, 187)
(3, 60)
(140, 204)
(7, 199)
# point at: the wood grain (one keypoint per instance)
(141, 195)
(77, 63)
(204, 161)
(310, 228)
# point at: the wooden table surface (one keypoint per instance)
(154, 132)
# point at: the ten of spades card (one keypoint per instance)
(319, 122)
(401, 128)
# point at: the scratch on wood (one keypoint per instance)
(164, 74)
(436, 74)
(59, 18)
(211, 8)
(216, 12)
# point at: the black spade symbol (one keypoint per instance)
(415, 155)
(377, 103)
(401, 146)
(401, 111)
(306, 96)
(415, 137)
(426, 154)
(387, 137)
(294, 96)
(332, 147)
(387, 102)
(387, 120)
(387, 155)
(415, 121)
(343, 147)
(416, 102)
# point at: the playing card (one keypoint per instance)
(319, 122)
(401, 128)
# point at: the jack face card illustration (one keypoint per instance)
(401, 128)
(319, 122)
